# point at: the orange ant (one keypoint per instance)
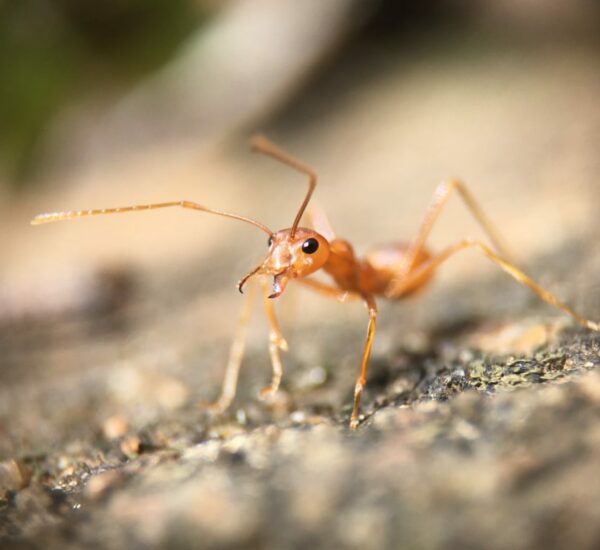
(393, 272)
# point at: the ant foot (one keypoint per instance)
(354, 422)
(212, 407)
(280, 342)
(268, 391)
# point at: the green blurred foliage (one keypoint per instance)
(53, 52)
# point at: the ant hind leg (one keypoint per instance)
(427, 268)
(440, 198)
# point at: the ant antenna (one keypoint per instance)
(71, 214)
(261, 144)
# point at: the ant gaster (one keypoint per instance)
(392, 272)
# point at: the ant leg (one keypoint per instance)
(362, 377)
(440, 197)
(276, 343)
(431, 265)
(236, 354)
(344, 296)
(330, 291)
(319, 221)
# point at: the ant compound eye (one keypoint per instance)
(310, 246)
(270, 242)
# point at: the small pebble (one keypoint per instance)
(14, 475)
(130, 446)
(115, 427)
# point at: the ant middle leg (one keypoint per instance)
(427, 268)
(440, 198)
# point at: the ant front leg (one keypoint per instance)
(276, 343)
(344, 296)
(330, 291)
(236, 354)
(364, 366)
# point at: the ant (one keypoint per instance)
(392, 272)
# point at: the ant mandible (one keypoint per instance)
(392, 272)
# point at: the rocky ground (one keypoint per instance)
(459, 447)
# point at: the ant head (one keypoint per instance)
(292, 254)
(297, 251)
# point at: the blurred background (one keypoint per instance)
(133, 101)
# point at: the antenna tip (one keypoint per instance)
(258, 142)
(40, 219)
(49, 217)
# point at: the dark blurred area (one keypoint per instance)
(55, 52)
(59, 53)
(530, 16)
